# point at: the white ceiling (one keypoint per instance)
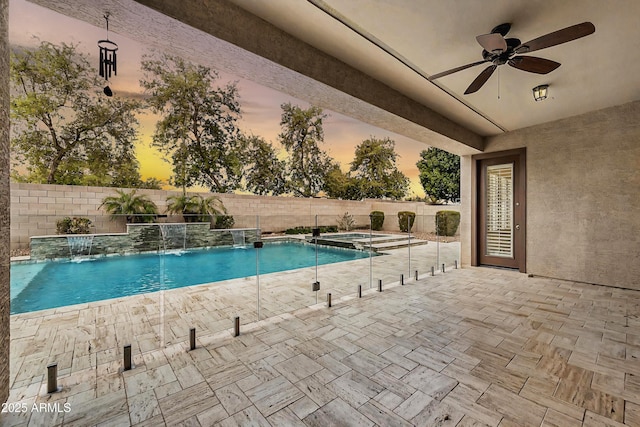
(598, 71)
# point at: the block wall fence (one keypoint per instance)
(35, 208)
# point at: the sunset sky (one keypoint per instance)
(29, 23)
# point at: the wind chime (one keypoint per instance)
(108, 59)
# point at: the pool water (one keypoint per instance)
(59, 283)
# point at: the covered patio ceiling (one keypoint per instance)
(371, 59)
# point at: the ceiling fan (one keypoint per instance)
(499, 51)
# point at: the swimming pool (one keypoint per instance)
(39, 286)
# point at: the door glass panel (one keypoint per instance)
(499, 209)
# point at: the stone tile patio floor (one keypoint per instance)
(475, 346)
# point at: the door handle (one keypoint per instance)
(517, 226)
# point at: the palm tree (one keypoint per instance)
(182, 204)
(195, 208)
(135, 207)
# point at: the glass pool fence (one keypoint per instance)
(149, 280)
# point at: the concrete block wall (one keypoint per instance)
(37, 207)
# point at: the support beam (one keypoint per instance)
(4, 201)
(228, 22)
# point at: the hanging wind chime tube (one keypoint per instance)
(108, 59)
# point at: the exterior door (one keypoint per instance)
(501, 211)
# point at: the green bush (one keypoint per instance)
(224, 222)
(377, 219)
(298, 230)
(308, 230)
(402, 220)
(75, 225)
(447, 222)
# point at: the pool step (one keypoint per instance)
(381, 245)
(377, 242)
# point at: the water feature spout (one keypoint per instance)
(174, 236)
(238, 238)
(79, 245)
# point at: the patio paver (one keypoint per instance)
(475, 346)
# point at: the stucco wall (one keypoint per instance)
(37, 207)
(583, 202)
(4, 201)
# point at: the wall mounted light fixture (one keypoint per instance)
(540, 92)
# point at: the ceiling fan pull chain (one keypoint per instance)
(498, 83)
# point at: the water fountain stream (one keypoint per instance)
(174, 236)
(238, 238)
(79, 245)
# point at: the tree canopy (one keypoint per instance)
(64, 131)
(439, 175)
(340, 185)
(198, 127)
(264, 172)
(307, 165)
(375, 171)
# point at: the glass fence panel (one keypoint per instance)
(218, 265)
(147, 280)
(91, 284)
(287, 264)
(447, 231)
(345, 236)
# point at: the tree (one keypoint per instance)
(375, 171)
(65, 130)
(264, 172)
(152, 183)
(439, 175)
(198, 125)
(134, 207)
(340, 185)
(307, 164)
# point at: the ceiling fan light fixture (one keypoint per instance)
(540, 93)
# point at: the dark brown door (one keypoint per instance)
(501, 211)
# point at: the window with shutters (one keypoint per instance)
(499, 211)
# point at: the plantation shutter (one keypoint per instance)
(499, 209)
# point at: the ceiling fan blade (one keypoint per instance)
(493, 43)
(455, 70)
(557, 37)
(481, 79)
(533, 64)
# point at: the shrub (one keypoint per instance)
(403, 216)
(447, 222)
(224, 222)
(377, 219)
(75, 225)
(298, 230)
(346, 222)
